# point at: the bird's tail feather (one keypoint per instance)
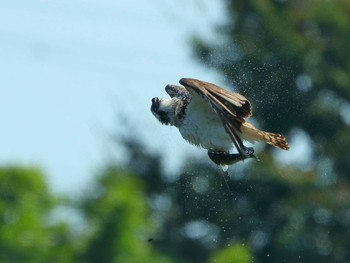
(274, 139)
(250, 133)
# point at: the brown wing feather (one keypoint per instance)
(232, 102)
(231, 107)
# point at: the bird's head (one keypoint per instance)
(164, 110)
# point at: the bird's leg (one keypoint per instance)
(217, 157)
(226, 178)
(224, 159)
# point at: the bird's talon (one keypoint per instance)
(249, 152)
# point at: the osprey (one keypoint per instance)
(212, 118)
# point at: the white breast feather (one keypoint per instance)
(202, 127)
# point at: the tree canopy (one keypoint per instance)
(291, 59)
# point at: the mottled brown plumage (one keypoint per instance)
(213, 118)
(233, 109)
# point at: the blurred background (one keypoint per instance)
(89, 175)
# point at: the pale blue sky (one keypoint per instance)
(69, 68)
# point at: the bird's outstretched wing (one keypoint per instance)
(177, 91)
(232, 108)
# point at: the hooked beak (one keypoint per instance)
(155, 104)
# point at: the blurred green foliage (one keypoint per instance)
(116, 211)
(26, 234)
(235, 254)
(291, 59)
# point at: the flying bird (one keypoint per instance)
(213, 118)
